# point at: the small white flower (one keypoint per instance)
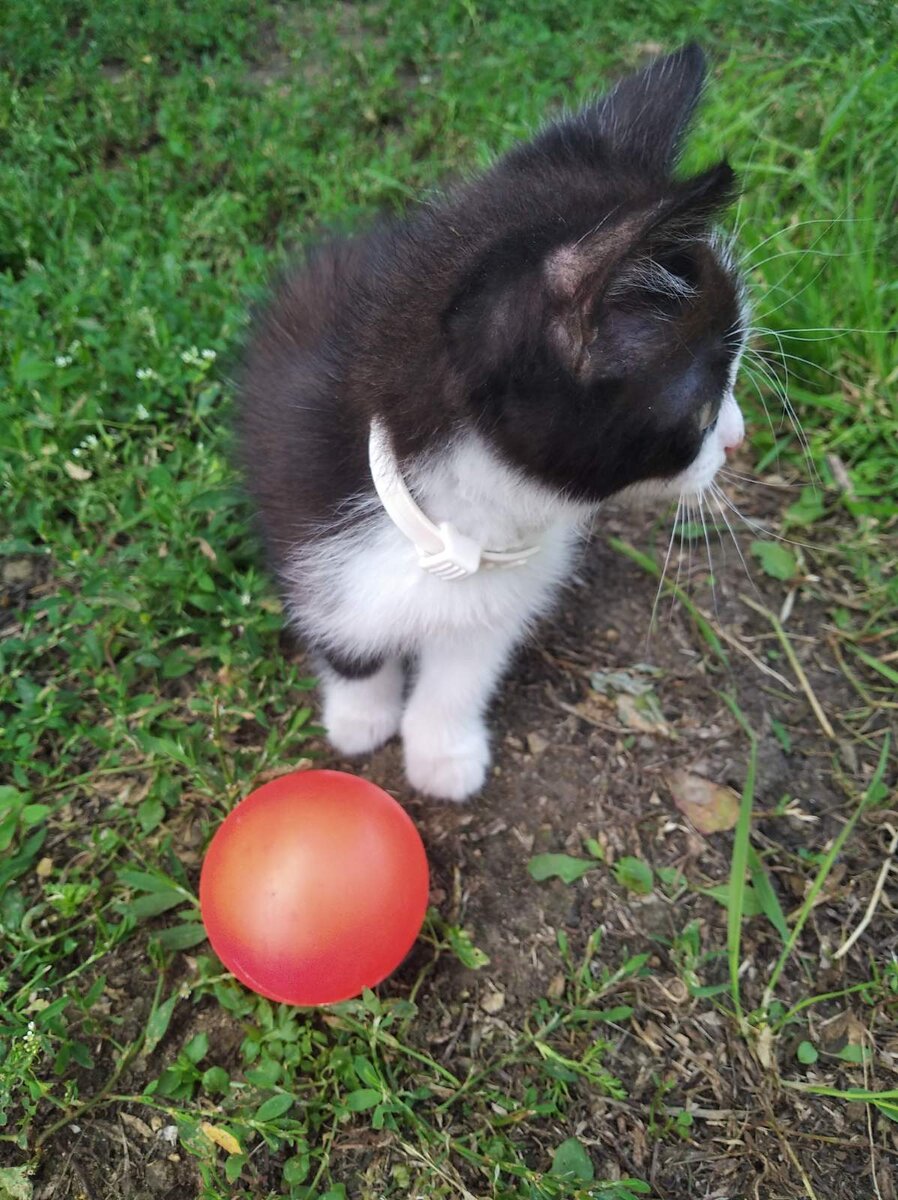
(246, 599)
(141, 413)
(63, 360)
(77, 452)
(209, 355)
(146, 373)
(90, 441)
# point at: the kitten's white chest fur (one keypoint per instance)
(370, 594)
(362, 590)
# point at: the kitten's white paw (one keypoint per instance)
(361, 714)
(353, 731)
(447, 767)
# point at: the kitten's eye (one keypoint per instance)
(707, 415)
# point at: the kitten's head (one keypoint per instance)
(599, 331)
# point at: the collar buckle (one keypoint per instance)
(459, 558)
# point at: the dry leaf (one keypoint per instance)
(44, 868)
(595, 709)
(221, 1137)
(136, 1124)
(764, 1047)
(537, 744)
(79, 474)
(710, 807)
(331, 1021)
(556, 987)
(642, 714)
(206, 550)
(492, 1002)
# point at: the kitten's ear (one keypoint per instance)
(583, 269)
(580, 275)
(646, 115)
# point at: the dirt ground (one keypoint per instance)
(567, 769)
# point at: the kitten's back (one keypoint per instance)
(300, 434)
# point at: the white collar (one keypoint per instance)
(442, 550)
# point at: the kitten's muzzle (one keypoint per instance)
(730, 425)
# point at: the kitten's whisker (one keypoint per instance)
(718, 495)
(752, 378)
(756, 527)
(828, 221)
(691, 546)
(739, 219)
(728, 474)
(762, 358)
(778, 286)
(804, 251)
(752, 266)
(835, 330)
(801, 255)
(760, 354)
(779, 389)
(825, 221)
(783, 391)
(684, 502)
(737, 337)
(701, 510)
(673, 533)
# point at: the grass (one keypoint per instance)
(156, 162)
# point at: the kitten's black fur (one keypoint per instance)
(526, 304)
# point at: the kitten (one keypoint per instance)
(431, 411)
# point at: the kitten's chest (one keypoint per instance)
(364, 588)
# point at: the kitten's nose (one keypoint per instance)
(730, 425)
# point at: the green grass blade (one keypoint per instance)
(767, 897)
(848, 1094)
(737, 882)
(874, 664)
(739, 863)
(824, 870)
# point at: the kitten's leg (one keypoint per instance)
(362, 703)
(443, 731)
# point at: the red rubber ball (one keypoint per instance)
(314, 887)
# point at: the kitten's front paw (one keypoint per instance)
(360, 715)
(444, 766)
(355, 733)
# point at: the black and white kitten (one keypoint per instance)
(564, 328)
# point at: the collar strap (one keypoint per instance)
(442, 550)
